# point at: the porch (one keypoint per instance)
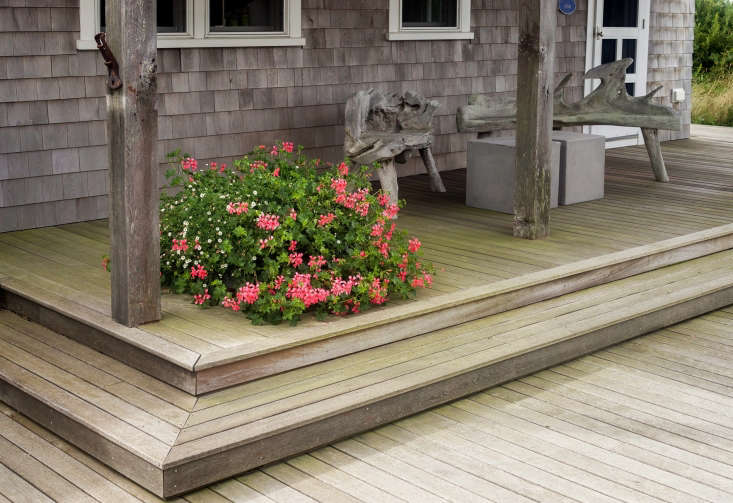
(475, 255)
(645, 256)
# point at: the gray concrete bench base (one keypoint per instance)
(490, 174)
(582, 166)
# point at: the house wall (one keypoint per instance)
(671, 35)
(219, 103)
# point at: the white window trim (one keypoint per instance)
(398, 32)
(198, 35)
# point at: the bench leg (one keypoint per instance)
(436, 182)
(387, 175)
(654, 149)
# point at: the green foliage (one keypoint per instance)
(712, 99)
(713, 50)
(276, 236)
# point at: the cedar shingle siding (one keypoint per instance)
(219, 103)
(671, 34)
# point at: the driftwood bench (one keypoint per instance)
(391, 127)
(609, 104)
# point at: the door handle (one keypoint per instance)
(598, 32)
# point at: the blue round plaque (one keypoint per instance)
(567, 7)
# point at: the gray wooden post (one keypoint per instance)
(537, 24)
(132, 133)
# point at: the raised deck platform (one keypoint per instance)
(54, 276)
(646, 256)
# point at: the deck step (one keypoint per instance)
(171, 441)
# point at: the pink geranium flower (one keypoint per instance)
(249, 293)
(198, 272)
(179, 245)
(201, 298)
(237, 208)
(268, 222)
(295, 259)
(414, 245)
(324, 220)
(339, 185)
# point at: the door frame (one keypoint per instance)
(642, 62)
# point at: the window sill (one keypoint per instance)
(430, 35)
(191, 43)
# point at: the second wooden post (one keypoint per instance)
(537, 25)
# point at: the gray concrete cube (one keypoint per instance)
(582, 166)
(490, 174)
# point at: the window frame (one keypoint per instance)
(460, 32)
(198, 30)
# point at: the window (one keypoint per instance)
(429, 19)
(210, 23)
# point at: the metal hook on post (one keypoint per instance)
(113, 79)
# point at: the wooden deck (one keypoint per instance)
(204, 395)
(639, 226)
(172, 442)
(645, 421)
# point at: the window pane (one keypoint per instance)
(608, 50)
(247, 15)
(628, 50)
(630, 88)
(620, 13)
(429, 13)
(171, 16)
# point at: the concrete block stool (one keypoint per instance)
(582, 166)
(490, 174)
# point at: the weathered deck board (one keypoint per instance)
(618, 425)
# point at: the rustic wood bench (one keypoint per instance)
(385, 128)
(608, 104)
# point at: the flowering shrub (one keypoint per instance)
(274, 236)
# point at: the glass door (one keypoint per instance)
(619, 29)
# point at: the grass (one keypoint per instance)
(712, 99)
